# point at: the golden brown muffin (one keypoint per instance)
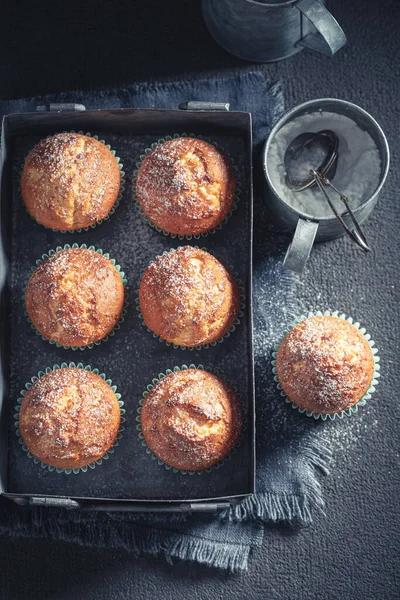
(185, 186)
(187, 297)
(70, 181)
(191, 419)
(69, 418)
(324, 364)
(75, 297)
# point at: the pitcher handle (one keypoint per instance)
(330, 37)
(299, 250)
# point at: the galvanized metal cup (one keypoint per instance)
(308, 228)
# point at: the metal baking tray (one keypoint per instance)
(130, 479)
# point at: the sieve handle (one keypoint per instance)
(299, 250)
(329, 37)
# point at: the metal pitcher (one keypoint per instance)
(266, 31)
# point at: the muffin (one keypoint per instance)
(324, 365)
(185, 186)
(191, 420)
(69, 418)
(70, 181)
(75, 297)
(188, 298)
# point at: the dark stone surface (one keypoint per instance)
(351, 551)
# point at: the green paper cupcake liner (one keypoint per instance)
(154, 381)
(17, 409)
(227, 334)
(124, 310)
(119, 197)
(353, 409)
(175, 235)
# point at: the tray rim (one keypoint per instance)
(45, 119)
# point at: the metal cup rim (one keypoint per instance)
(317, 103)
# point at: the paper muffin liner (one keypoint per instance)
(154, 381)
(353, 409)
(116, 203)
(124, 310)
(227, 334)
(17, 409)
(175, 235)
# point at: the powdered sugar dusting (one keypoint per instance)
(359, 165)
(70, 181)
(185, 186)
(188, 297)
(69, 415)
(191, 419)
(75, 297)
(325, 364)
(349, 437)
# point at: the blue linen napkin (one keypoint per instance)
(289, 451)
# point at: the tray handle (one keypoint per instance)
(194, 105)
(61, 107)
(73, 107)
(190, 507)
(160, 507)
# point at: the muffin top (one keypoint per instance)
(75, 297)
(325, 364)
(70, 181)
(191, 419)
(187, 297)
(185, 186)
(69, 418)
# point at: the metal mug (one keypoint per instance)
(266, 31)
(307, 228)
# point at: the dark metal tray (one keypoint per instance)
(130, 479)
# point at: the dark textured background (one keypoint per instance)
(353, 550)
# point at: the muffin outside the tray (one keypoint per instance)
(185, 186)
(191, 419)
(324, 365)
(70, 181)
(69, 418)
(75, 297)
(188, 298)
